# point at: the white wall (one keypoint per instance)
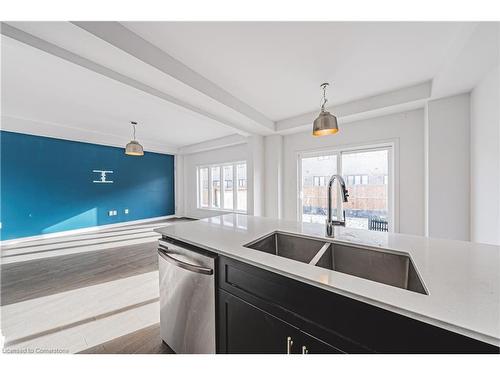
(255, 175)
(449, 167)
(436, 151)
(274, 176)
(179, 185)
(485, 160)
(406, 128)
(191, 161)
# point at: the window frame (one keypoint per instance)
(198, 185)
(392, 146)
(221, 166)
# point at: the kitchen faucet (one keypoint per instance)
(330, 224)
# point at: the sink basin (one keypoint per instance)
(382, 266)
(288, 246)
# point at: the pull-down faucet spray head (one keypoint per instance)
(330, 223)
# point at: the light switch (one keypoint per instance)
(126, 211)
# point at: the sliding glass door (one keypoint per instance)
(315, 175)
(368, 174)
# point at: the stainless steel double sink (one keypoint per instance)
(383, 266)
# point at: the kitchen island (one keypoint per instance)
(456, 309)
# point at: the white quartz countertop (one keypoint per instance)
(462, 278)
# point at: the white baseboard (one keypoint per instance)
(82, 230)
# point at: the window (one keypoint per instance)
(368, 202)
(228, 187)
(241, 172)
(367, 173)
(223, 187)
(203, 186)
(319, 180)
(313, 192)
(215, 187)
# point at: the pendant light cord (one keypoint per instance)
(325, 100)
(133, 125)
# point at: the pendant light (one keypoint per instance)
(325, 123)
(134, 148)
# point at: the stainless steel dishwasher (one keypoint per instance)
(187, 298)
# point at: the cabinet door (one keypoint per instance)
(311, 345)
(246, 329)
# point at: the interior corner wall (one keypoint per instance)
(274, 176)
(192, 161)
(255, 175)
(407, 128)
(485, 160)
(180, 197)
(448, 169)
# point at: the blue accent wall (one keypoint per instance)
(46, 185)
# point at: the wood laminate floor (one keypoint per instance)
(144, 341)
(93, 293)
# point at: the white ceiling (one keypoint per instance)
(478, 53)
(82, 43)
(273, 69)
(39, 86)
(277, 67)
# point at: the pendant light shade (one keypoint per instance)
(325, 123)
(134, 148)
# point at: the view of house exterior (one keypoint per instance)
(366, 175)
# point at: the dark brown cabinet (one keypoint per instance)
(246, 329)
(259, 310)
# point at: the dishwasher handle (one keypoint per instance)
(187, 266)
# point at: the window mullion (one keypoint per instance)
(198, 195)
(300, 189)
(210, 187)
(221, 187)
(390, 189)
(339, 196)
(235, 188)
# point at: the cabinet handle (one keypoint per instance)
(304, 350)
(289, 343)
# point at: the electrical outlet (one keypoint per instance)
(110, 213)
(126, 211)
(115, 213)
